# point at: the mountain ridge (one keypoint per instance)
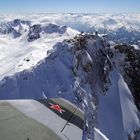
(81, 70)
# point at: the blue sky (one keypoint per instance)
(62, 6)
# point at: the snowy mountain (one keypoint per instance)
(42, 57)
(119, 27)
(33, 39)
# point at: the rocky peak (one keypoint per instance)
(34, 32)
(14, 28)
(53, 28)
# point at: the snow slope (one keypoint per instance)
(50, 77)
(19, 54)
(99, 135)
(46, 66)
(117, 114)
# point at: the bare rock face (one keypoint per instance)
(53, 28)
(34, 32)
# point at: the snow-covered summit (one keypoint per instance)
(41, 56)
(83, 70)
(15, 27)
(23, 44)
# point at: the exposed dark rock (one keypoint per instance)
(53, 28)
(34, 32)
